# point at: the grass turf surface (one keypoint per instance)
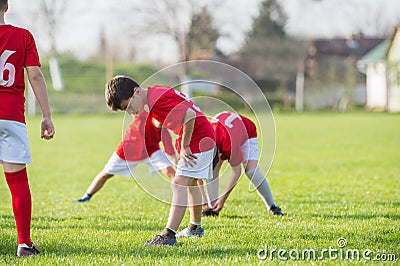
(334, 175)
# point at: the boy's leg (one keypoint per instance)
(114, 166)
(259, 181)
(17, 180)
(179, 188)
(194, 228)
(98, 182)
(261, 184)
(195, 202)
(212, 190)
(205, 200)
(212, 193)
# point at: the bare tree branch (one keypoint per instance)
(52, 11)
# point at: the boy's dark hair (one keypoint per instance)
(119, 88)
(3, 4)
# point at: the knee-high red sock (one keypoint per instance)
(22, 203)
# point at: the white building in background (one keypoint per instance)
(393, 56)
(376, 86)
(382, 68)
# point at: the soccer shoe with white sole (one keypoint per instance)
(275, 210)
(24, 250)
(187, 232)
(161, 240)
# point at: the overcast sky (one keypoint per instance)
(82, 21)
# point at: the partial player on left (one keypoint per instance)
(17, 52)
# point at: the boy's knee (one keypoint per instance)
(182, 182)
(106, 176)
(255, 176)
(170, 172)
(177, 183)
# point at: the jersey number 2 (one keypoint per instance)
(6, 66)
(228, 120)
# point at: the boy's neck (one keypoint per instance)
(2, 21)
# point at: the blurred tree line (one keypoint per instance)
(269, 56)
(272, 58)
(279, 63)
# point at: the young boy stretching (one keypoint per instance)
(140, 144)
(236, 138)
(195, 145)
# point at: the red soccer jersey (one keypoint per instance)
(169, 107)
(231, 131)
(142, 138)
(17, 50)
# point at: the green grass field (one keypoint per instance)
(334, 175)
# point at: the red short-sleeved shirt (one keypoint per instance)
(231, 131)
(169, 107)
(142, 138)
(17, 51)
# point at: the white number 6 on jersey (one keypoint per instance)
(6, 66)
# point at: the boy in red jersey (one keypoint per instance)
(140, 144)
(18, 51)
(195, 145)
(236, 138)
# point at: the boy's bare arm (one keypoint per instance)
(236, 172)
(38, 84)
(188, 125)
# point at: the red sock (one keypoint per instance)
(22, 203)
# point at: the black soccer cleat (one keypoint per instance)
(23, 250)
(275, 210)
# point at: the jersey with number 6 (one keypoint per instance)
(17, 51)
(231, 132)
(168, 106)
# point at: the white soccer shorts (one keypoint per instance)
(156, 162)
(14, 143)
(202, 169)
(250, 149)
